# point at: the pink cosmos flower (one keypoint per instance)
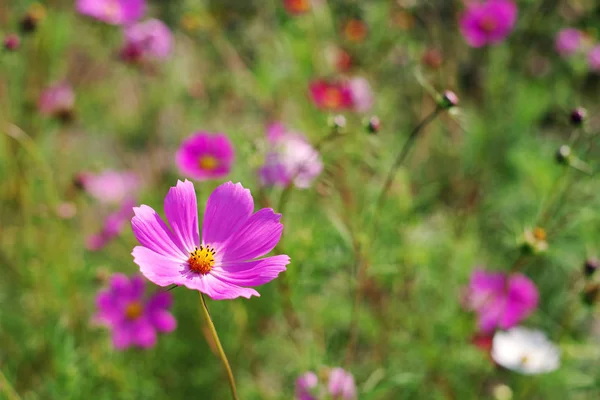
(57, 100)
(331, 95)
(500, 300)
(291, 159)
(109, 186)
(133, 318)
(568, 41)
(340, 386)
(205, 156)
(222, 260)
(594, 58)
(148, 40)
(362, 95)
(488, 22)
(306, 386)
(115, 12)
(113, 225)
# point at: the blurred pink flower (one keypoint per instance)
(223, 262)
(148, 40)
(113, 225)
(362, 95)
(57, 100)
(115, 12)
(568, 41)
(341, 385)
(488, 22)
(331, 95)
(594, 58)
(290, 159)
(133, 318)
(110, 186)
(500, 300)
(205, 156)
(306, 386)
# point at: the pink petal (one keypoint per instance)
(259, 235)
(181, 209)
(160, 300)
(157, 268)
(228, 208)
(217, 289)
(121, 337)
(143, 333)
(253, 273)
(163, 321)
(150, 230)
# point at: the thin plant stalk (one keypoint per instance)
(222, 355)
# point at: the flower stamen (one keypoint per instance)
(134, 310)
(202, 260)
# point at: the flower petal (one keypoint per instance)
(181, 209)
(217, 289)
(150, 230)
(121, 337)
(143, 333)
(253, 273)
(228, 208)
(163, 321)
(259, 235)
(157, 268)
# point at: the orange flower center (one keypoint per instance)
(208, 162)
(134, 310)
(488, 24)
(332, 98)
(202, 260)
(539, 233)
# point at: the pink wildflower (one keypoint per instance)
(205, 156)
(488, 22)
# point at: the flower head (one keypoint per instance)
(291, 159)
(113, 225)
(115, 12)
(133, 317)
(297, 6)
(12, 42)
(489, 22)
(109, 186)
(58, 101)
(224, 258)
(362, 95)
(331, 95)
(594, 58)
(306, 385)
(568, 41)
(501, 301)
(148, 40)
(205, 156)
(339, 385)
(355, 30)
(524, 350)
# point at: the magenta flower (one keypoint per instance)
(500, 300)
(594, 58)
(221, 261)
(113, 225)
(133, 318)
(57, 100)
(306, 386)
(488, 22)
(109, 186)
(331, 95)
(148, 40)
(205, 156)
(290, 159)
(362, 95)
(341, 385)
(568, 41)
(115, 12)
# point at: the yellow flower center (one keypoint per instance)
(524, 359)
(539, 233)
(134, 310)
(202, 260)
(333, 97)
(208, 162)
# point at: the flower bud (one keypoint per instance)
(590, 266)
(449, 99)
(563, 155)
(12, 42)
(337, 123)
(578, 116)
(373, 125)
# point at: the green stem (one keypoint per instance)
(7, 389)
(222, 355)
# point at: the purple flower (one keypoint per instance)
(306, 386)
(115, 12)
(109, 186)
(148, 40)
(568, 41)
(57, 100)
(594, 58)
(113, 225)
(133, 318)
(488, 22)
(362, 95)
(341, 385)
(290, 159)
(223, 259)
(500, 300)
(205, 156)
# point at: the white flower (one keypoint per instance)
(524, 350)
